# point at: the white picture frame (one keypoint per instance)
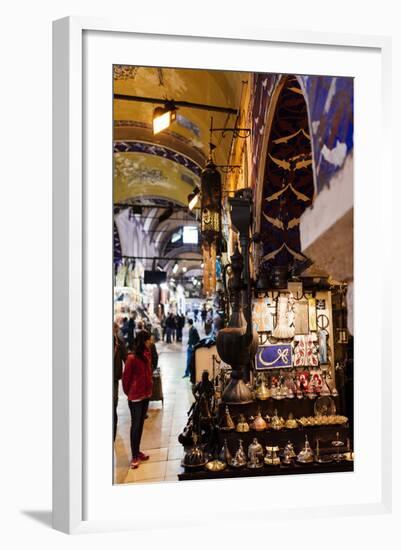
(73, 437)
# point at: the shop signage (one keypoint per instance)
(274, 356)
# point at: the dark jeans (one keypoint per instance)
(190, 352)
(138, 412)
(115, 404)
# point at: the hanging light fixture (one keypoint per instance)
(175, 268)
(211, 205)
(163, 117)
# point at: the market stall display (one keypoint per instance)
(279, 411)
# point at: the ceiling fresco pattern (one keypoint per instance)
(166, 167)
(139, 174)
(157, 150)
(217, 88)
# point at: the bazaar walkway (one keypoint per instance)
(163, 424)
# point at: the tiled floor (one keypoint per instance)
(162, 426)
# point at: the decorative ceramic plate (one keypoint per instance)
(324, 406)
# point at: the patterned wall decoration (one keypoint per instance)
(288, 186)
(330, 104)
(157, 150)
(331, 108)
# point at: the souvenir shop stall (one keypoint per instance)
(273, 402)
(131, 296)
(127, 288)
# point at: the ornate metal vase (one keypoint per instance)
(236, 343)
(194, 457)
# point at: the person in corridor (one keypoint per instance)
(137, 385)
(120, 355)
(170, 328)
(193, 339)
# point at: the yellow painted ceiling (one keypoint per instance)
(143, 175)
(133, 171)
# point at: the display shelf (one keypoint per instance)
(298, 407)
(295, 468)
(325, 435)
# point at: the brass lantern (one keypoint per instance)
(211, 194)
(210, 203)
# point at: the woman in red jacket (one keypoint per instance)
(137, 385)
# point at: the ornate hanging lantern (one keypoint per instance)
(211, 194)
(210, 203)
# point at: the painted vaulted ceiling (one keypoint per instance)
(163, 169)
(171, 161)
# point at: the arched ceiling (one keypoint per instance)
(159, 171)
(138, 174)
(169, 164)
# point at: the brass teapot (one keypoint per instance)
(242, 425)
(259, 424)
(277, 422)
(262, 391)
(291, 423)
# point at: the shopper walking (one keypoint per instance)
(180, 320)
(209, 322)
(124, 329)
(137, 385)
(163, 326)
(170, 326)
(131, 331)
(193, 339)
(204, 313)
(120, 356)
(153, 353)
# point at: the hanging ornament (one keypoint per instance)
(283, 330)
(211, 205)
(209, 269)
(210, 202)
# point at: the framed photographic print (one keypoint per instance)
(189, 173)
